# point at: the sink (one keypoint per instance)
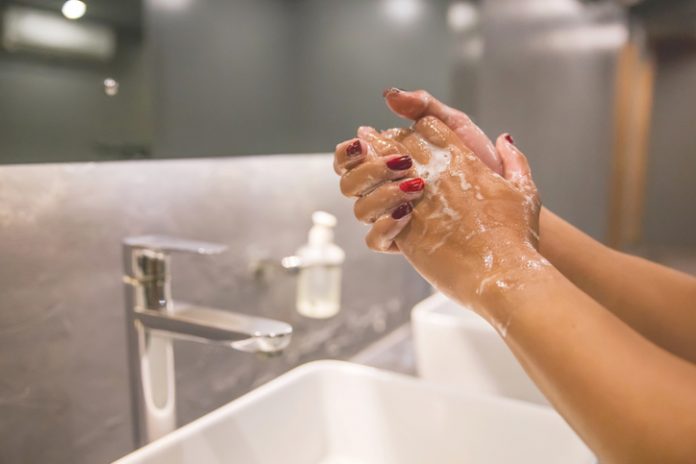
(455, 346)
(333, 412)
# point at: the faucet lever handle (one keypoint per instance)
(163, 243)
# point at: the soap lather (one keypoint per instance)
(319, 280)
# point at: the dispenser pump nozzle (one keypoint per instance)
(321, 232)
(319, 280)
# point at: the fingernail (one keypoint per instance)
(509, 138)
(391, 91)
(413, 185)
(354, 148)
(400, 164)
(402, 211)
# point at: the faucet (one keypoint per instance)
(153, 319)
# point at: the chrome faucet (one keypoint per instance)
(153, 320)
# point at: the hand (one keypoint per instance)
(470, 230)
(417, 104)
(414, 105)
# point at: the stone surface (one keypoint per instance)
(63, 378)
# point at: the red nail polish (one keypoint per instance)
(354, 148)
(413, 185)
(400, 164)
(390, 91)
(508, 137)
(402, 211)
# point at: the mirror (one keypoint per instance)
(132, 79)
(73, 89)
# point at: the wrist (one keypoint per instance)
(501, 293)
(547, 223)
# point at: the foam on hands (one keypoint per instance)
(438, 163)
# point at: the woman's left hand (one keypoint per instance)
(470, 230)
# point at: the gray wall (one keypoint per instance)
(56, 110)
(670, 216)
(269, 76)
(547, 76)
(63, 382)
(225, 77)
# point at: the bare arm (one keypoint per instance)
(658, 302)
(473, 235)
(630, 400)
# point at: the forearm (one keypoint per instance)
(630, 400)
(656, 301)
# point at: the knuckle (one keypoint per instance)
(339, 149)
(347, 189)
(425, 94)
(371, 242)
(361, 212)
(429, 120)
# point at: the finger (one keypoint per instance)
(439, 134)
(432, 140)
(387, 197)
(383, 146)
(396, 133)
(364, 132)
(385, 229)
(415, 105)
(515, 165)
(349, 154)
(373, 172)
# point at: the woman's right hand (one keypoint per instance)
(411, 105)
(462, 226)
(381, 175)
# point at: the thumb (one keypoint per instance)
(417, 104)
(515, 165)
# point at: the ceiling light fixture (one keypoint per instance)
(74, 9)
(403, 11)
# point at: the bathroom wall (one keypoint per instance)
(670, 220)
(269, 76)
(547, 77)
(64, 102)
(63, 378)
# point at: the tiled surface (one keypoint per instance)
(63, 379)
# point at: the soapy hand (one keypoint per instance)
(465, 228)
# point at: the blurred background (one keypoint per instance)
(597, 92)
(98, 97)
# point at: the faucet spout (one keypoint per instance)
(209, 325)
(153, 319)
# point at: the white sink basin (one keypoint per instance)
(331, 412)
(455, 346)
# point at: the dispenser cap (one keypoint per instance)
(322, 218)
(322, 231)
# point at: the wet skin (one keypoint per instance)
(472, 229)
(466, 220)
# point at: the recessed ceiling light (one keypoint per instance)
(111, 86)
(462, 16)
(74, 9)
(403, 11)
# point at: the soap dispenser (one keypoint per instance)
(319, 280)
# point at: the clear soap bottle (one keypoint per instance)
(319, 280)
